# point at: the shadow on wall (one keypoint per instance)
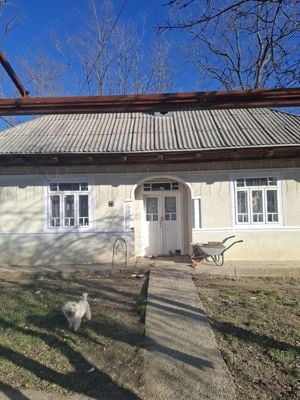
(22, 214)
(21, 245)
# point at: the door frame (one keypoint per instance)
(161, 194)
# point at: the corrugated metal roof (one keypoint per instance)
(140, 132)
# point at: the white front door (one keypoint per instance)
(162, 223)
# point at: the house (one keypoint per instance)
(70, 185)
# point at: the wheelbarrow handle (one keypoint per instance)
(225, 240)
(237, 241)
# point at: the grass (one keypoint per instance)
(38, 351)
(256, 322)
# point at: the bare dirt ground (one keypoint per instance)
(38, 351)
(256, 323)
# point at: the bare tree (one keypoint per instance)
(112, 57)
(93, 49)
(41, 73)
(107, 56)
(9, 19)
(242, 43)
(162, 67)
(139, 67)
(127, 58)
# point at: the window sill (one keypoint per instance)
(258, 226)
(70, 230)
(244, 227)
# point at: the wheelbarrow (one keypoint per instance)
(213, 250)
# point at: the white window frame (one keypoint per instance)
(249, 189)
(148, 186)
(62, 194)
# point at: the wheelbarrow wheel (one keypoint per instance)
(218, 259)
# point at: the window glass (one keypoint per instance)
(242, 206)
(170, 208)
(257, 206)
(272, 181)
(256, 181)
(71, 187)
(54, 211)
(272, 206)
(152, 209)
(69, 210)
(161, 186)
(240, 182)
(83, 210)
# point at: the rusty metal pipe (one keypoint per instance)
(13, 76)
(287, 97)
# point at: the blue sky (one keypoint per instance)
(38, 17)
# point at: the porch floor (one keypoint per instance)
(283, 268)
(232, 269)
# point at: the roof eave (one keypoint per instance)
(170, 157)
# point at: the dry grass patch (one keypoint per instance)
(256, 322)
(39, 352)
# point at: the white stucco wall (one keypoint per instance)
(25, 240)
(260, 242)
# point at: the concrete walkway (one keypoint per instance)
(182, 360)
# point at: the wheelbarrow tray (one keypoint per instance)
(214, 250)
(211, 249)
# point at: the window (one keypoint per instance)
(68, 205)
(256, 201)
(153, 186)
(152, 209)
(170, 208)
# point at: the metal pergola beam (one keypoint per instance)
(288, 97)
(13, 76)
